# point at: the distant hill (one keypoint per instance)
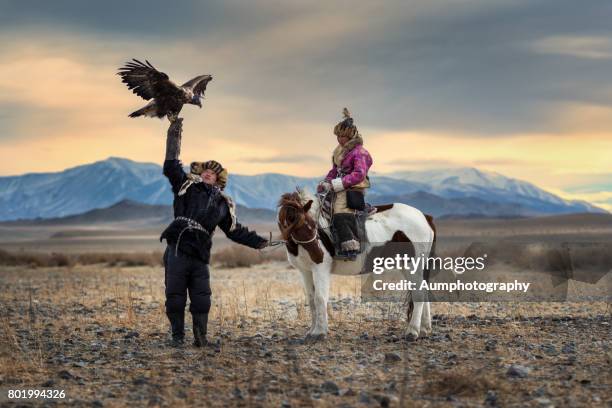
(129, 211)
(459, 207)
(444, 192)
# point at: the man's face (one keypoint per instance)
(342, 140)
(209, 176)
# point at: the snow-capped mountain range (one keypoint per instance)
(456, 191)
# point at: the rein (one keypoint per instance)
(321, 198)
(273, 243)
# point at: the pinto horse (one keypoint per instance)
(310, 251)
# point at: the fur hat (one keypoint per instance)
(199, 167)
(346, 127)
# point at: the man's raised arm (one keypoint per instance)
(172, 166)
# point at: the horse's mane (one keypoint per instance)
(290, 199)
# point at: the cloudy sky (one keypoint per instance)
(521, 87)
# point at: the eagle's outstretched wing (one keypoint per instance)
(198, 84)
(146, 81)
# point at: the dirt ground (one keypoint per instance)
(100, 333)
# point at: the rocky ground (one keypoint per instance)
(100, 334)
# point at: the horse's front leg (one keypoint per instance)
(309, 292)
(321, 275)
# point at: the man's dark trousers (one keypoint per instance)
(185, 273)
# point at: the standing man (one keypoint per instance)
(199, 207)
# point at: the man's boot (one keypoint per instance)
(177, 323)
(349, 246)
(200, 322)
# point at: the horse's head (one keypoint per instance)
(297, 226)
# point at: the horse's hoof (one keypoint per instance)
(314, 338)
(410, 337)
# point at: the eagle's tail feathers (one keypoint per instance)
(137, 113)
(149, 110)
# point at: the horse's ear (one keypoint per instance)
(307, 206)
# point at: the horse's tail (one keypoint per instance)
(432, 252)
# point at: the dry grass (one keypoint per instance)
(240, 257)
(34, 259)
(229, 257)
(54, 259)
(100, 333)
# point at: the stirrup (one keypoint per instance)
(370, 210)
(346, 255)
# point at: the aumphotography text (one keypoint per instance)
(458, 285)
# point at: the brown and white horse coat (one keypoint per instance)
(310, 252)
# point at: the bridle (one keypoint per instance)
(299, 219)
(299, 224)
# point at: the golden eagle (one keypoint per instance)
(167, 99)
